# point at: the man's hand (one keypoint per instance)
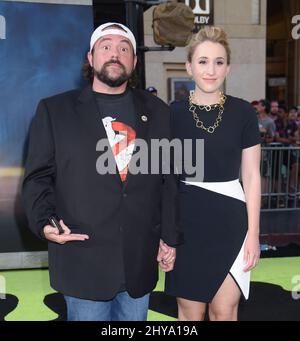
(166, 257)
(51, 233)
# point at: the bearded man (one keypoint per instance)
(116, 226)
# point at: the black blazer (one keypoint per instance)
(124, 221)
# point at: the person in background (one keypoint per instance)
(274, 106)
(255, 105)
(286, 127)
(287, 133)
(293, 114)
(153, 90)
(266, 123)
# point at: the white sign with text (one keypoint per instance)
(296, 29)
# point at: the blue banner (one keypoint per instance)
(42, 49)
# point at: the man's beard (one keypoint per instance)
(103, 75)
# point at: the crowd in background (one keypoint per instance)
(279, 126)
(277, 122)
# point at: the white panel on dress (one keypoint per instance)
(241, 277)
(234, 190)
(231, 189)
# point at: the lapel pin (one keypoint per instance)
(144, 118)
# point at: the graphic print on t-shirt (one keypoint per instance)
(121, 138)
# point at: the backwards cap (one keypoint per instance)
(101, 31)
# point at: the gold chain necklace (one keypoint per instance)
(199, 123)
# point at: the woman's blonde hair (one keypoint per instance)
(209, 33)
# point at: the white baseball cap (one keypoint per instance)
(101, 31)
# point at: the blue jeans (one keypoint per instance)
(121, 308)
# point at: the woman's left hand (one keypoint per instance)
(251, 252)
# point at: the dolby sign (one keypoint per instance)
(203, 10)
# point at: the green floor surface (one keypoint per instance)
(31, 286)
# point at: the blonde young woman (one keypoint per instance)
(220, 219)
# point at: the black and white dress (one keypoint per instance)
(213, 212)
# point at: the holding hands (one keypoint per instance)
(166, 256)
